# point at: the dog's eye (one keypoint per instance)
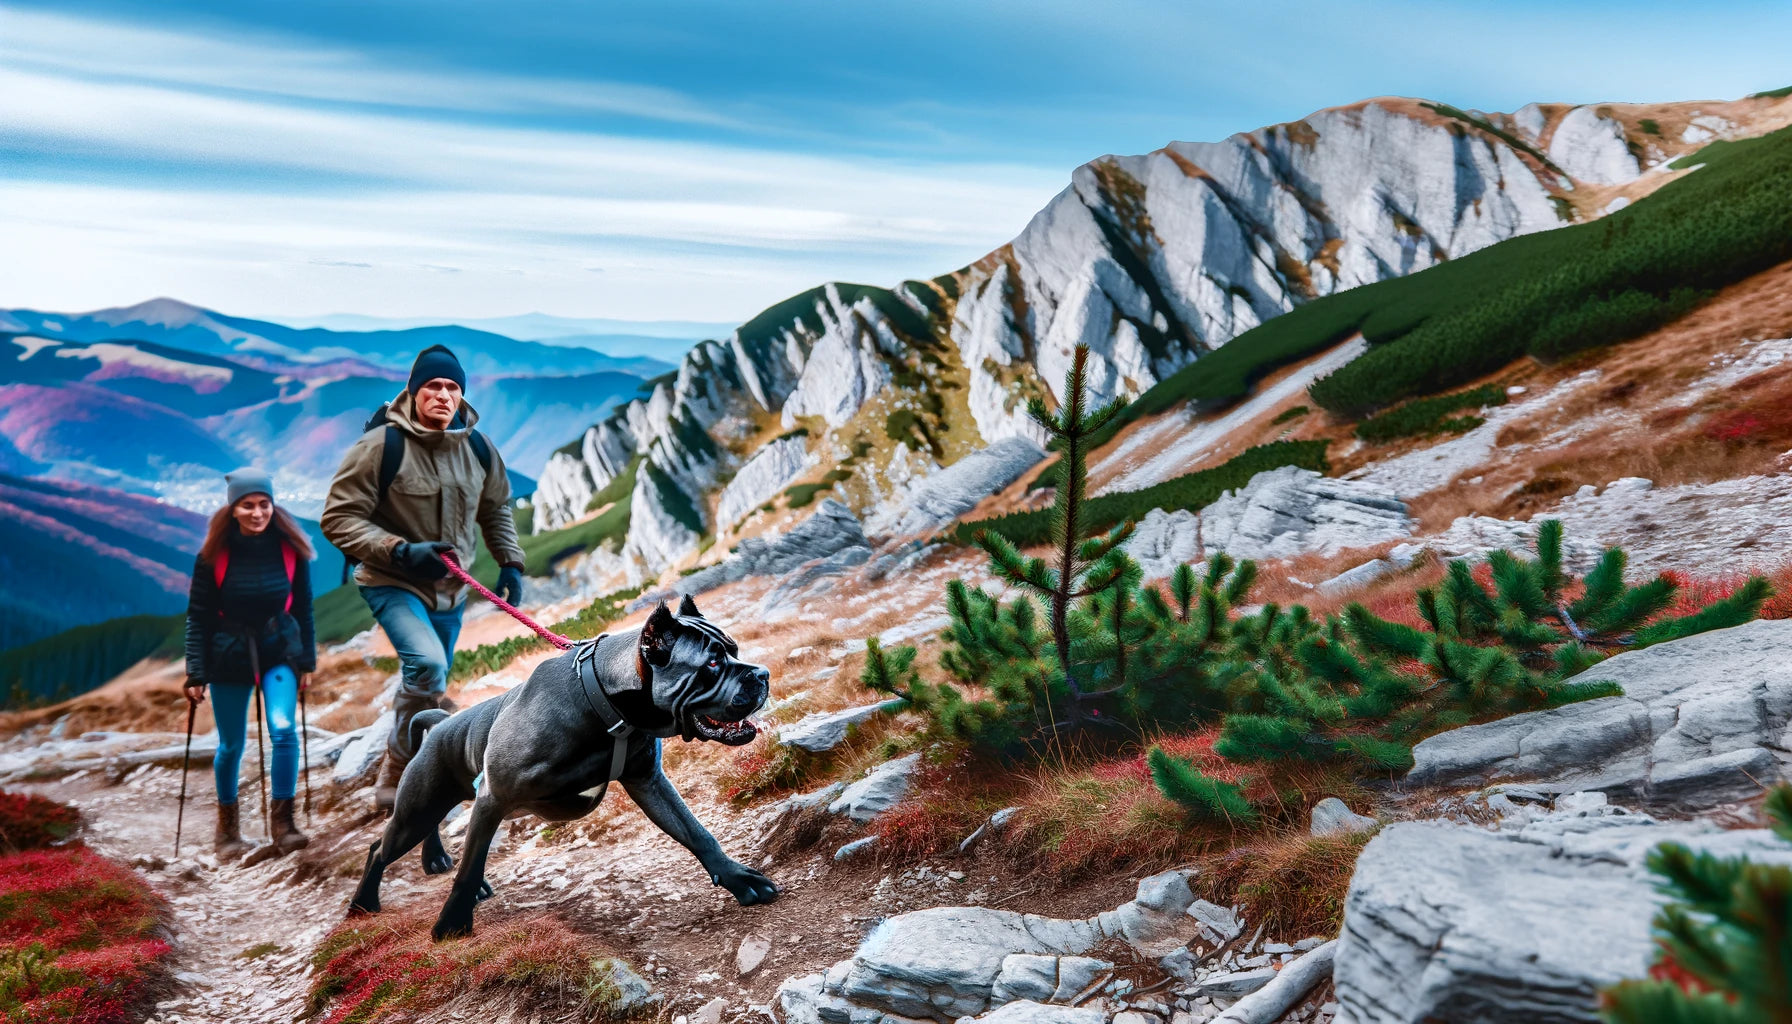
(714, 663)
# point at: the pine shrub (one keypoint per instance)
(1724, 941)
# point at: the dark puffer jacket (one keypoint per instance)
(251, 601)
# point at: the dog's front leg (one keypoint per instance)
(456, 918)
(665, 808)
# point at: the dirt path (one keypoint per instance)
(219, 914)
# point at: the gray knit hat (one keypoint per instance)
(240, 483)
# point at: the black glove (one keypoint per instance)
(422, 560)
(510, 585)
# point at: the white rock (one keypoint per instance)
(751, 953)
(877, 792)
(854, 848)
(1700, 722)
(1593, 149)
(823, 731)
(1333, 815)
(1454, 922)
(1027, 1012)
(943, 496)
(1217, 923)
(710, 1012)
(762, 478)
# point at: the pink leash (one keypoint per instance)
(540, 630)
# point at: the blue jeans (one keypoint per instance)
(230, 708)
(424, 639)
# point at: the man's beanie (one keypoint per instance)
(240, 483)
(435, 361)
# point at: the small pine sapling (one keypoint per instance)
(1724, 941)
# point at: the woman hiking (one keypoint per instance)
(249, 613)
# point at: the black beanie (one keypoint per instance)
(435, 361)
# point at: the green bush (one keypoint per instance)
(1202, 795)
(1191, 491)
(1557, 292)
(1428, 415)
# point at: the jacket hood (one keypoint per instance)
(402, 413)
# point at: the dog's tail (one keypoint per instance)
(421, 723)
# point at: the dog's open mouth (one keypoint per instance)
(733, 734)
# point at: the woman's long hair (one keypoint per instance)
(223, 524)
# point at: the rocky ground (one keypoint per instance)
(1513, 849)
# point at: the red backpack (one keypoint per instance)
(221, 565)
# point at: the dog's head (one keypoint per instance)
(691, 671)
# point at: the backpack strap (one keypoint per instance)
(391, 458)
(291, 558)
(482, 450)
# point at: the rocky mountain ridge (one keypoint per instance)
(1152, 261)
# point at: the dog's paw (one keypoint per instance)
(437, 862)
(364, 908)
(749, 887)
(452, 926)
(484, 892)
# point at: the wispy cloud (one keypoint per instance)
(162, 143)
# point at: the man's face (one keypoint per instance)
(437, 401)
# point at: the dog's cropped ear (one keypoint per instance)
(688, 608)
(658, 637)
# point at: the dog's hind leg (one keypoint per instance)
(456, 918)
(425, 796)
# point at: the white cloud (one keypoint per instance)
(345, 206)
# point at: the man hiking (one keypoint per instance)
(415, 485)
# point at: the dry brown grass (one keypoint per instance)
(1291, 883)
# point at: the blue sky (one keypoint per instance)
(692, 161)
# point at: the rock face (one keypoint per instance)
(1452, 922)
(944, 496)
(1151, 261)
(832, 530)
(1701, 721)
(948, 962)
(1592, 148)
(760, 480)
(1281, 512)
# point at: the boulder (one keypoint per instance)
(1279, 513)
(877, 792)
(1593, 148)
(823, 731)
(940, 498)
(949, 962)
(1216, 923)
(1332, 815)
(1519, 926)
(1701, 721)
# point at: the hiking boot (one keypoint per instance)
(286, 835)
(227, 838)
(385, 789)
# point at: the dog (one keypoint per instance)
(552, 746)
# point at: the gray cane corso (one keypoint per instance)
(551, 746)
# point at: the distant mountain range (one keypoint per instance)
(175, 324)
(116, 428)
(660, 339)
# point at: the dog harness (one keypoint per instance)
(584, 661)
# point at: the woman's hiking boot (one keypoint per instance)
(227, 839)
(286, 835)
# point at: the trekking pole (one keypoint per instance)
(261, 754)
(305, 752)
(186, 759)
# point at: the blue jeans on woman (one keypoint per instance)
(424, 639)
(230, 707)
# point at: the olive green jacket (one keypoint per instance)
(441, 493)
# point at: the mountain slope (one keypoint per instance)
(1152, 261)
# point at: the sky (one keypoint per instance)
(693, 161)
